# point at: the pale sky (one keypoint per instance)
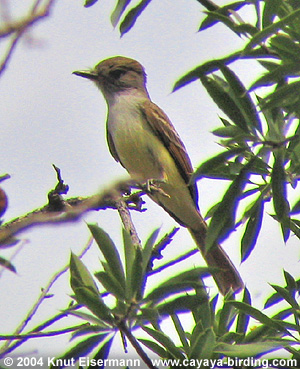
(50, 116)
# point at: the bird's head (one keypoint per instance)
(116, 74)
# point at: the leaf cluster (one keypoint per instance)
(219, 330)
(126, 18)
(260, 124)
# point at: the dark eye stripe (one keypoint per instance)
(117, 73)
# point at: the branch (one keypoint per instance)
(173, 262)
(209, 5)
(123, 328)
(59, 210)
(40, 335)
(18, 28)
(127, 221)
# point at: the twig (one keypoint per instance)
(7, 348)
(4, 177)
(173, 262)
(209, 5)
(40, 335)
(123, 328)
(159, 247)
(72, 209)
(18, 28)
(163, 243)
(127, 221)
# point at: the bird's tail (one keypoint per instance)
(228, 277)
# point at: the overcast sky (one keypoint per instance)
(50, 116)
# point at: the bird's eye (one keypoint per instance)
(117, 73)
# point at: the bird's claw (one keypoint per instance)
(154, 186)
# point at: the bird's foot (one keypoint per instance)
(153, 186)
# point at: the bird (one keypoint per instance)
(143, 140)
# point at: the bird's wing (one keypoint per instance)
(164, 129)
(111, 147)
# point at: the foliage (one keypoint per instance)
(217, 332)
(259, 134)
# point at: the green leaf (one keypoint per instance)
(7, 264)
(226, 316)
(118, 11)
(137, 275)
(219, 91)
(89, 3)
(168, 290)
(109, 252)
(271, 30)
(131, 17)
(181, 304)
(239, 29)
(89, 318)
(102, 354)
(80, 276)
(129, 252)
(295, 227)
(283, 71)
(214, 65)
(223, 219)
(229, 131)
(287, 48)
(211, 165)
(270, 12)
(291, 284)
(253, 227)
(111, 285)
(291, 287)
(180, 331)
(243, 99)
(181, 282)
(295, 208)
(286, 95)
(258, 315)
(272, 300)
(86, 291)
(146, 315)
(88, 329)
(82, 349)
(202, 344)
(205, 312)
(153, 346)
(243, 319)
(249, 349)
(226, 10)
(147, 250)
(165, 341)
(280, 202)
(286, 295)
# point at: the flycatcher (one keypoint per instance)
(141, 137)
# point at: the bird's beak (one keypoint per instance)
(86, 74)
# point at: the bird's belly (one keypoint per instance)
(145, 157)
(139, 151)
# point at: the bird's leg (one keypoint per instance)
(152, 186)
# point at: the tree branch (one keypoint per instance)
(46, 334)
(127, 221)
(18, 28)
(123, 328)
(59, 210)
